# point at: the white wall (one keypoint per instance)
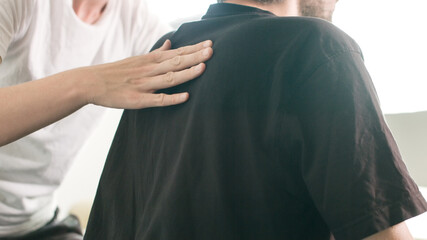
(78, 190)
(393, 37)
(410, 132)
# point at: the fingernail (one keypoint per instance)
(206, 52)
(199, 68)
(183, 96)
(207, 43)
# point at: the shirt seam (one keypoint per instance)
(377, 212)
(331, 58)
(3, 50)
(212, 13)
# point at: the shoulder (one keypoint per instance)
(17, 10)
(17, 4)
(132, 8)
(313, 34)
(327, 34)
(136, 14)
(15, 17)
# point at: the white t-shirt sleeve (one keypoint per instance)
(14, 15)
(148, 28)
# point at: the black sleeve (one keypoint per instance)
(350, 163)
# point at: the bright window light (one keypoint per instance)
(391, 33)
(174, 11)
(393, 38)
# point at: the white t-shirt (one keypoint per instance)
(40, 38)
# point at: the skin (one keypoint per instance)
(396, 232)
(323, 9)
(89, 11)
(310, 8)
(284, 8)
(317, 8)
(130, 83)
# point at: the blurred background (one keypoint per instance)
(393, 37)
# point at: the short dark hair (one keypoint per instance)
(259, 1)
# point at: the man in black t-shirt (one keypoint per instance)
(283, 138)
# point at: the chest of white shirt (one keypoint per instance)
(56, 40)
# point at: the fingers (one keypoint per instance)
(166, 46)
(171, 79)
(131, 82)
(182, 62)
(162, 100)
(163, 55)
(167, 80)
(156, 100)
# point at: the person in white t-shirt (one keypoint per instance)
(60, 57)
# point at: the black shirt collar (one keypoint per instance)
(228, 9)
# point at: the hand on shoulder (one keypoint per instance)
(131, 83)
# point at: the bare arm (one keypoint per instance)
(130, 83)
(396, 232)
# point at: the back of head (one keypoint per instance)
(309, 8)
(258, 1)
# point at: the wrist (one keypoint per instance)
(76, 86)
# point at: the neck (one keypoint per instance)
(282, 9)
(89, 11)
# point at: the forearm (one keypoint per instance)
(129, 83)
(396, 232)
(28, 107)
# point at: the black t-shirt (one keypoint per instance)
(282, 138)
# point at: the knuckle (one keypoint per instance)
(169, 77)
(145, 70)
(161, 99)
(157, 56)
(176, 60)
(180, 51)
